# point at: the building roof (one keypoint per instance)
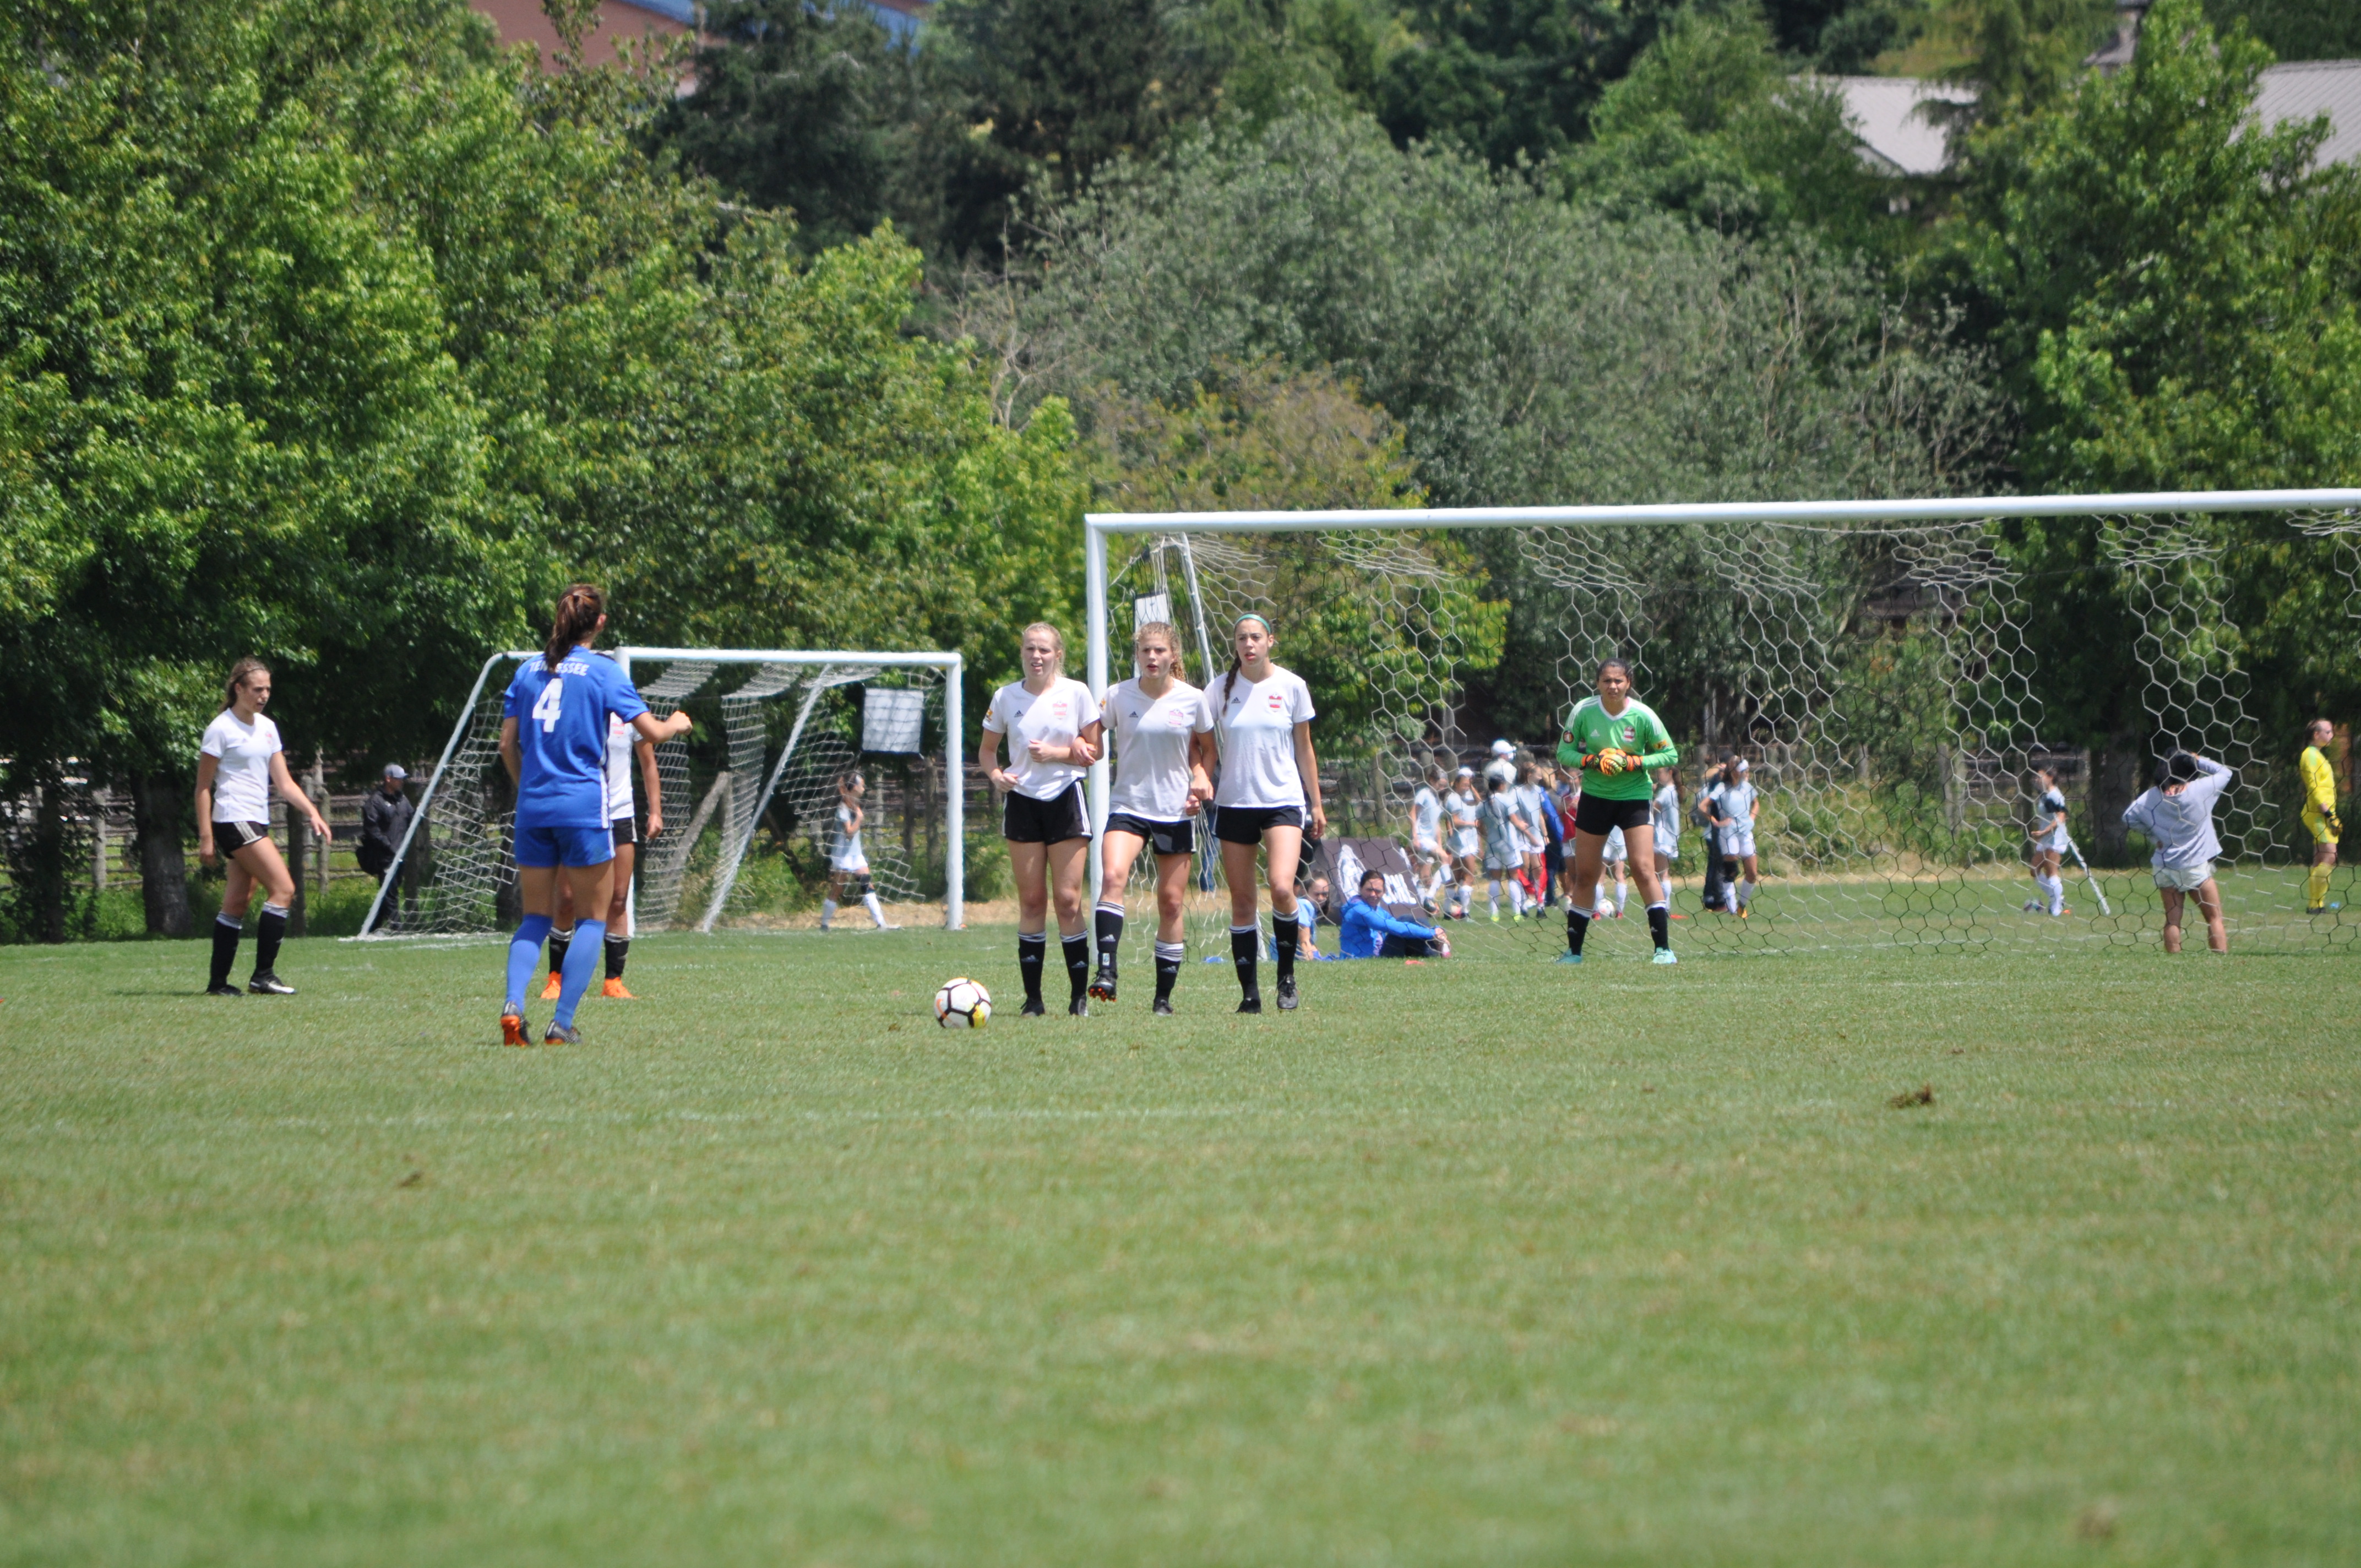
(1897, 136)
(2305, 88)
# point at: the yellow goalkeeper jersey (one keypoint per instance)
(2319, 781)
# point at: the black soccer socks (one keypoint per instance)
(1108, 920)
(1244, 941)
(269, 932)
(1660, 925)
(558, 942)
(1577, 927)
(1032, 952)
(1284, 932)
(1169, 957)
(619, 948)
(1077, 949)
(226, 931)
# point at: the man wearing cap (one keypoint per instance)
(385, 820)
(1503, 765)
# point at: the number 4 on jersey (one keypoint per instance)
(550, 704)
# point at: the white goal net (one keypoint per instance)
(1871, 663)
(749, 799)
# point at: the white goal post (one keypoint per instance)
(1758, 565)
(460, 829)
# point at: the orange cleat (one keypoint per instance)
(614, 990)
(551, 991)
(512, 1030)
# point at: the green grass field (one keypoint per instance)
(1482, 1262)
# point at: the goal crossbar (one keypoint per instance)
(1098, 526)
(951, 663)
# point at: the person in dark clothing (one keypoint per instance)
(386, 813)
(1717, 885)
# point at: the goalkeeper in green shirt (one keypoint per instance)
(1615, 740)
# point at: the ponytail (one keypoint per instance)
(578, 610)
(237, 675)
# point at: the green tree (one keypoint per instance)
(2171, 294)
(805, 110)
(1531, 351)
(1263, 437)
(227, 406)
(1512, 78)
(2295, 29)
(331, 334)
(1711, 122)
(2023, 55)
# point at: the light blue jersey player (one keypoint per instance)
(554, 730)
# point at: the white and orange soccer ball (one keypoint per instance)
(961, 1003)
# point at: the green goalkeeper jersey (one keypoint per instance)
(1590, 731)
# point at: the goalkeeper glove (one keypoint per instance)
(1613, 760)
(2335, 826)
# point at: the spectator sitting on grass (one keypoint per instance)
(1371, 930)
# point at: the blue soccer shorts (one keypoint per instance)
(542, 848)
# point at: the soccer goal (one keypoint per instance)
(1869, 659)
(748, 798)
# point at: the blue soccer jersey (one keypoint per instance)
(561, 718)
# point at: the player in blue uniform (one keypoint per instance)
(554, 742)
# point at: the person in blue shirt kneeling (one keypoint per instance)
(1371, 930)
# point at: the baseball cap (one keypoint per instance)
(1503, 749)
(395, 771)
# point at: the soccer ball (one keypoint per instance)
(961, 1003)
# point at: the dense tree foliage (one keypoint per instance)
(2171, 294)
(2295, 29)
(1710, 123)
(334, 337)
(1532, 351)
(332, 333)
(808, 112)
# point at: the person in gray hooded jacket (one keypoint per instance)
(2177, 817)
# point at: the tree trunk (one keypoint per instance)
(37, 865)
(156, 807)
(2115, 783)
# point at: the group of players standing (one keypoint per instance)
(573, 725)
(1161, 732)
(1515, 833)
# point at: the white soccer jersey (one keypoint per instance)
(1425, 819)
(2051, 833)
(1737, 803)
(1615, 849)
(849, 856)
(1055, 716)
(618, 769)
(242, 781)
(1150, 737)
(1504, 844)
(1466, 811)
(1666, 820)
(1531, 800)
(1502, 769)
(1258, 720)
